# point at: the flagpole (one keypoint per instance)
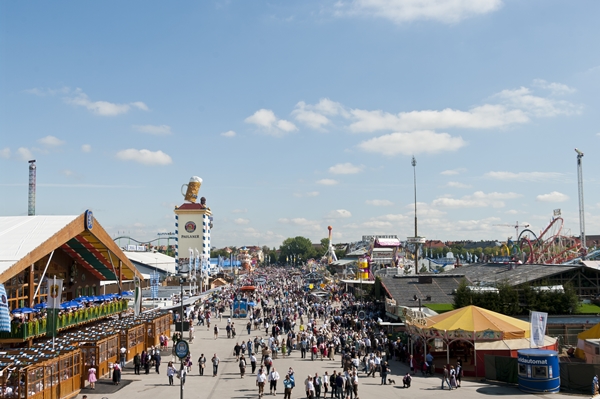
(54, 316)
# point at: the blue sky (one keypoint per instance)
(299, 115)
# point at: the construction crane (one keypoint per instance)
(515, 226)
(580, 191)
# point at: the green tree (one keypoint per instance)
(463, 296)
(298, 248)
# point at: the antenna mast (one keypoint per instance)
(580, 190)
(31, 199)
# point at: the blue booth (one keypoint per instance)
(538, 371)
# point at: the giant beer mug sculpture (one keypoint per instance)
(191, 192)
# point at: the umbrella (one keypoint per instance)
(81, 299)
(23, 311)
(127, 293)
(70, 305)
(251, 303)
(41, 306)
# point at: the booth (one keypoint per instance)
(539, 371)
(155, 325)
(98, 350)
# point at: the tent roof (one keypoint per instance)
(593, 332)
(25, 240)
(153, 259)
(473, 319)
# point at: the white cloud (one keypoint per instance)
(302, 222)
(452, 172)
(5, 153)
(43, 92)
(377, 224)
(424, 141)
(241, 221)
(304, 114)
(554, 196)
(269, 123)
(524, 100)
(482, 117)
(308, 194)
(555, 88)
(327, 182)
(524, 176)
(456, 184)
(145, 157)
(103, 108)
(229, 133)
(157, 130)
(512, 212)
(50, 141)
(25, 153)
(345, 169)
(478, 199)
(404, 11)
(379, 202)
(86, 148)
(339, 213)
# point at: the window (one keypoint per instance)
(540, 372)
(522, 369)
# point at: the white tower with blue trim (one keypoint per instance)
(193, 223)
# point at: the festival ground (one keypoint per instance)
(229, 384)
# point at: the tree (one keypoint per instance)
(297, 249)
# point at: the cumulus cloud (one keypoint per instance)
(103, 108)
(479, 199)
(86, 148)
(555, 88)
(345, 169)
(339, 214)
(50, 141)
(379, 202)
(456, 184)
(241, 221)
(266, 120)
(452, 172)
(24, 153)
(554, 196)
(405, 11)
(303, 114)
(145, 157)
(523, 99)
(5, 153)
(229, 133)
(424, 141)
(157, 130)
(327, 182)
(524, 176)
(303, 223)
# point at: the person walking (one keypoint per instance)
(452, 377)
(310, 388)
(339, 382)
(354, 380)
(325, 384)
(268, 363)
(171, 371)
(116, 374)
(261, 378)
(242, 366)
(317, 382)
(137, 363)
(216, 331)
(92, 377)
(288, 385)
(459, 372)
(253, 362)
(215, 362)
(445, 377)
(383, 372)
(201, 363)
(157, 360)
(273, 378)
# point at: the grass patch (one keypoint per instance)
(440, 307)
(588, 308)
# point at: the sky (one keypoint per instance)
(300, 115)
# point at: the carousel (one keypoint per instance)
(466, 335)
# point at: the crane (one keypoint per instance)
(580, 192)
(514, 226)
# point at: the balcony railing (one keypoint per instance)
(37, 328)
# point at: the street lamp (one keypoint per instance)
(414, 165)
(183, 274)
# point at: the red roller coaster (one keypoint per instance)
(550, 247)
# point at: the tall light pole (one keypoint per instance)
(414, 165)
(581, 211)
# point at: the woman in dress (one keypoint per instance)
(116, 374)
(201, 363)
(92, 377)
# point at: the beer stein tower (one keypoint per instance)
(193, 222)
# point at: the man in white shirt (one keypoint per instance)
(273, 378)
(261, 378)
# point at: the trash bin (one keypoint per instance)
(186, 326)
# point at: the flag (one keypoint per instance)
(538, 328)
(54, 299)
(197, 260)
(4, 316)
(137, 298)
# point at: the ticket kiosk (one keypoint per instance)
(539, 371)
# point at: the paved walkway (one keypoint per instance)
(228, 383)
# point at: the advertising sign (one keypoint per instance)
(190, 233)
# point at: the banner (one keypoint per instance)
(538, 328)
(55, 288)
(137, 296)
(4, 316)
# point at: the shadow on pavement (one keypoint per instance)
(104, 387)
(500, 390)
